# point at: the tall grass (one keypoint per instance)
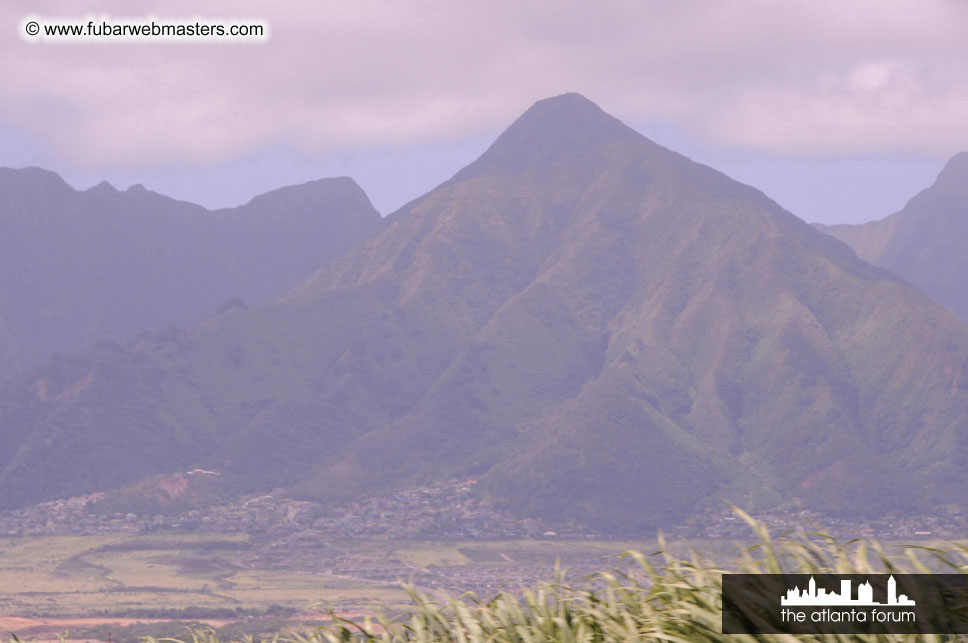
(661, 597)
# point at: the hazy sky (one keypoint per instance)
(841, 111)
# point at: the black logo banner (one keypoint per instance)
(845, 603)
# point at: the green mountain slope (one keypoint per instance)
(924, 242)
(602, 330)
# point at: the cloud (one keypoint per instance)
(803, 77)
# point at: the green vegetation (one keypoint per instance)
(598, 330)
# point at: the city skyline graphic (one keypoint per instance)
(813, 596)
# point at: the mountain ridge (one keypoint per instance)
(82, 265)
(614, 336)
(921, 242)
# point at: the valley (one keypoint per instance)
(221, 578)
(117, 585)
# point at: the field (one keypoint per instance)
(174, 576)
(50, 585)
(61, 583)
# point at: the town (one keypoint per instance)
(355, 541)
(447, 511)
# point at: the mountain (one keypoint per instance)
(599, 329)
(80, 266)
(924, 242)
(11, 352)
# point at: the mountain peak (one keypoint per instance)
(33, 179)
(954, 176)
(312, 194)
(571, 105)
(550, 131)
(102, 188)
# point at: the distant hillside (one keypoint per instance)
(76, 267)
(11, 352)
(925, 242)
(599, 329)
